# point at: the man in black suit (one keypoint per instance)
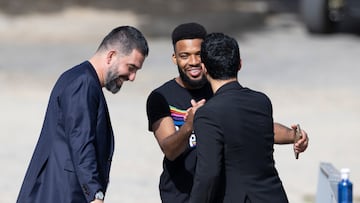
(72, 159)
(235, 134)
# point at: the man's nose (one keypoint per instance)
(194, 60)
(132, 76)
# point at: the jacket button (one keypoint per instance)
(86, 190)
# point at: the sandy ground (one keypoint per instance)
(312, 80)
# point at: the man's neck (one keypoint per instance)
(185, 85)
(216, 84)
(99, 71)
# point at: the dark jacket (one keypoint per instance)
(72, 158)
(235, 140)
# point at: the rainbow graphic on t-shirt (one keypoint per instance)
(177, 115)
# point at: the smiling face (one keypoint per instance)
(187, 58)
(122, 68)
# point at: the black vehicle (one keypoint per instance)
(323, 16)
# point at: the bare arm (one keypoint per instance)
(285, 135)
(173, 142)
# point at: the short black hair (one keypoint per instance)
(220, 55)
(188, 31)
(125, 39)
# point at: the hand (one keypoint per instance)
(190, 112)
(301, 145)
(97, 201)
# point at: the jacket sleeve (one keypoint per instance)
(79, 104)
(209, 166)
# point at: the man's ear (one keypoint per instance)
(240, 65)
(204, 68)
(110, 55)
(173, 57)
(208, 77)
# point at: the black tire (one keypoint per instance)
(315, 14)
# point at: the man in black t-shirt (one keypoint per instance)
(171, 100)
(171, 108)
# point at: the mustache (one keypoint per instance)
(123, 77)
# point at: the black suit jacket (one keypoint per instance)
(235, 140)
(72, 158)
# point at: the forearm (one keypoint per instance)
(283, 134)
(174, 143)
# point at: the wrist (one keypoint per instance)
(99, 195)
(97, 201)
(187, 127)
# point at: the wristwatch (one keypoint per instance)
(99, 195)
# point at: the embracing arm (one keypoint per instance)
(285, 135)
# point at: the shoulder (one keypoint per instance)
(256, 98)
(78, 77)
(256, 93)
(159, 96)
(169, 89)
(83, 71)
(170, 85)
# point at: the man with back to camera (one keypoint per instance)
(72, 159)
(235, 135)
(167, 107)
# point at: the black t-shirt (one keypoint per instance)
(172, 100)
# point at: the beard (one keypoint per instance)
(193, 84)
(111, 81)
(112, 86)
